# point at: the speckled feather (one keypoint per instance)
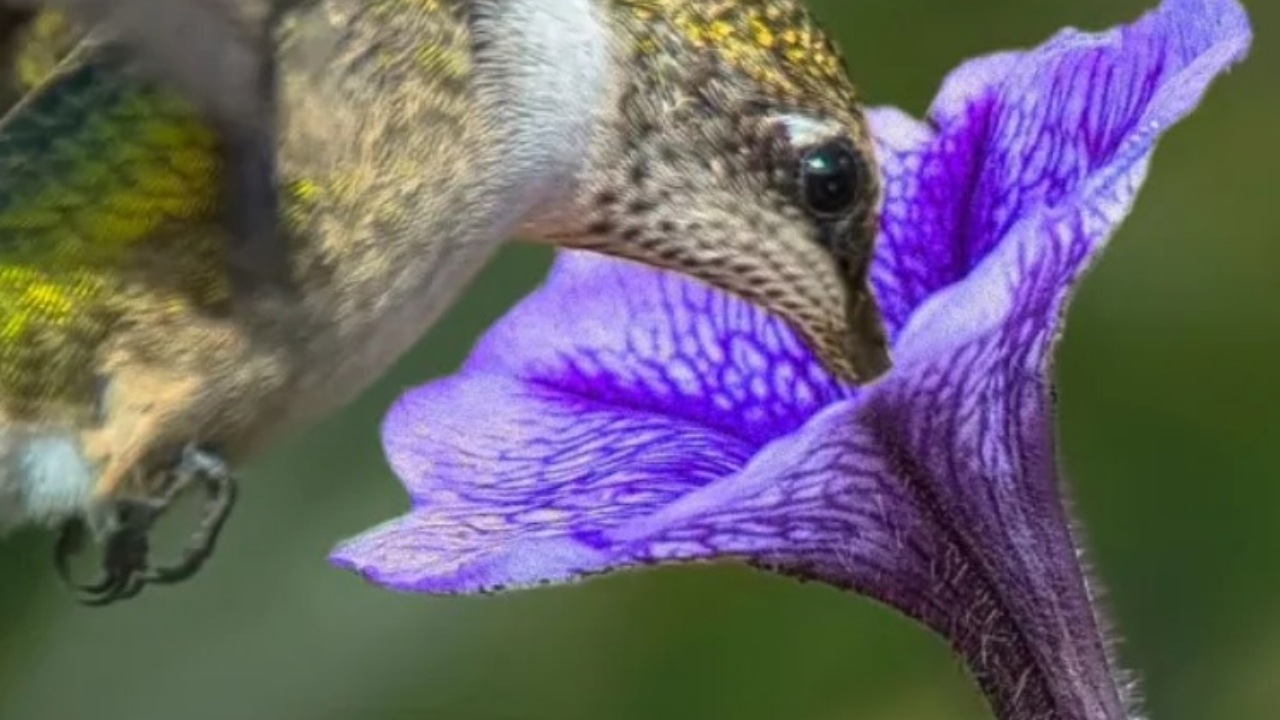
(719, 76)
(98, 162)
(110, 248)
(778, 43)
(92, 166)
(117, 331)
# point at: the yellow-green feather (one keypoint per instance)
(778, 43)
(108, 192)
(42, 45)
(94, 166)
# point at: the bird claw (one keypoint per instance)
(125, 563)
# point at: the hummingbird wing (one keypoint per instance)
(218, 55)
(94, 164)
(210, 51)
(32, 45)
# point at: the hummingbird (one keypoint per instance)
(409, 139)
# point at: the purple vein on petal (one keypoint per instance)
(1016, 130)
(500, 472)
(625, 335)
(624, 416)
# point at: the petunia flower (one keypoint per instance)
(620, 416)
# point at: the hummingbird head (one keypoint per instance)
(734, 150)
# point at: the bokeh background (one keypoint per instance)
(1170, 419)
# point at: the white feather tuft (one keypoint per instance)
(43, 479)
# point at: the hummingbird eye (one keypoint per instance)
(830, 174)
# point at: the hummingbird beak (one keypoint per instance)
(833, 312)
(846, 333)
(826, 299)
(866, 346)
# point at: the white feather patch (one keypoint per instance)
(542, 73)
(43, 479)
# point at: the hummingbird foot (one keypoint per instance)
(126, 568)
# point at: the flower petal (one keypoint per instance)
(853, 501)
(500, 472)
(934, 490)
(624, 334)
(1013, 131)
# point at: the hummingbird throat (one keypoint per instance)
(543, 94)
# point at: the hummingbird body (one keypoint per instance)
(413, 137)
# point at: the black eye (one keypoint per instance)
(829, 175)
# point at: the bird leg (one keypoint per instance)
(125, 565)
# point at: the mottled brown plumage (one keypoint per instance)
(412, 137)
(702, 168)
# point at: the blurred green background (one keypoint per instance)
(1170, 417)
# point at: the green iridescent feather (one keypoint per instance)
(95, 166)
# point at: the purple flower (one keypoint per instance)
(621, 416)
